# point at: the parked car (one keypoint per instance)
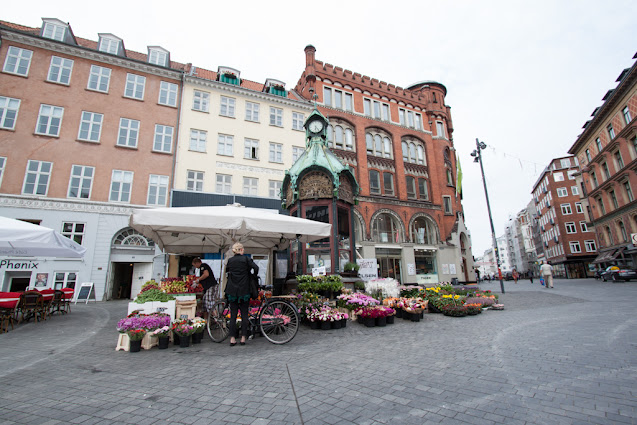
(508, 275)
(616, 273)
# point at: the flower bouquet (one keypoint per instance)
(199, 325)
(149, 322)
(183, 330)
(375, 316)
(473, 308)
(385, 288)
(135, 337)
(163, 336)
(454, 310)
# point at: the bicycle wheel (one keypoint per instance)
(279, 322)
(218, 322)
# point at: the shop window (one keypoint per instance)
(386, 228)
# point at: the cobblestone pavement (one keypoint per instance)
(554, 356)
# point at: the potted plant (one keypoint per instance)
(199, 325)
(135, 337)
(163, 336)
(350, 270)
(183, 329)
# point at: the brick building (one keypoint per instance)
(607, 151)
(569, 244)
(399, 142)
(87, 132)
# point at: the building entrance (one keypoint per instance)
(389, 263)
(122, 280)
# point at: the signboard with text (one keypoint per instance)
(368, 268)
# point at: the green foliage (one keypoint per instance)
(153, 295)
(411, 292)
(308, 283)
(359, 285)
(351, 267)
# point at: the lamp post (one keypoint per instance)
(477, 157)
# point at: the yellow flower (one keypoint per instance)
(456, 297)
(446, 296)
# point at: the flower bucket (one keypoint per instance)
(135, 346)
(315, 325)
(343, 323)
(326, 325)
(163, 342)
(336, 324)
(399, 313)
(369, 322)
(184, 341)
(390, 319)
(381, 321)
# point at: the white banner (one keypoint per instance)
(368, 268)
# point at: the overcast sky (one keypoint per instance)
(522, 76)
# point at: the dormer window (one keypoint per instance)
(229, 75)
(110, 44)
(54, 29)
(275, 87)
(158, 56)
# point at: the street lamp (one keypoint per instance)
(477, 157)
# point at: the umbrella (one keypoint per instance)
(22, 239)
(190, 230)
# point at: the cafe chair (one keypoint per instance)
(31, 306)
(58, 304)
(8, 310)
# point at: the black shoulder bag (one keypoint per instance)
(254, 281)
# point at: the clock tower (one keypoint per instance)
(316, 128)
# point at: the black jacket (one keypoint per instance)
(238, 271)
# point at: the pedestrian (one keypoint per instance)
(238, 270)
(515, 276)
(477, 276)
(547, 273)
(207, 280)
(531, 275)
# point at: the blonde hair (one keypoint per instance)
(237, 247)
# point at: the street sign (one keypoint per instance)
(633, 237)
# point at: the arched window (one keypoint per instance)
(330, 134)
(349, 139)
(378, 145)
(131, 237)
(622, 230)
(423, 231)
(386, 228)
(609, 235)
(340, 136)
(413, 152)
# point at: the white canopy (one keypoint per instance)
(193, 230)
(22, 239)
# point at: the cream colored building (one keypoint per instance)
(237, 138)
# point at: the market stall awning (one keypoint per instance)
(608, 256)
(21, 239)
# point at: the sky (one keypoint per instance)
(521, 76)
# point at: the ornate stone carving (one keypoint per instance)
(289, 195)
(315, 185)
(345, 190)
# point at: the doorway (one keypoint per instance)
(389, 263)
(122, 280)
(19, 284)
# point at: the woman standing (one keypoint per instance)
(239, 270)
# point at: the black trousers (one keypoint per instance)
(234, 307)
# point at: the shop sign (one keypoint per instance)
(19, 265)
(633, 238)
(427, 279)
(368, 268)
(318, 271)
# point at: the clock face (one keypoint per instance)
(316, 126)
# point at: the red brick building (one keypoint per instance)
(399, 143)
(568, 242)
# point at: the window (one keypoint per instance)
(622, 230)
(224, 183)
(327, 96)
(388, 183)
(128, 133)
(3, 162)
(36, 179)
(447, 204)
(583, 227)
(18, 61)
(60, 70)
(575, 248)
(377, 110)
(613, 199)
(626, 114)
(629, 192)
(410, 119)
(73, 231)
(276, 152)
(8, 112)
(201, 101)
(367, 107)
(562, 192)
(251, 149)
(606, 170)
(602, 208)
(168, 94)
(590, 246)
(54, 31)
(157, 190)
(609, 236)
(374, 182)
(296, 153)
(619, 160)
(121, 185)
(276, 116)
(135, 86)
(90, 126)
(194, 181)
(570, 227)
(50, 120)
(413, 152)
(594, 179)
(578, 208)
(611, 131)
(274, 188)
(411, 187)
(558, 177)
(81, 182)
(252, 111)
(423, 231)
(423, 190)
(418, 121)
(108, 45)
(227, 107)
(440, 129)
(566, 209)
(385, 228)
(401, 116)
(99, 78)
(297, 121)
(338, 99)
(250, 186)
(575, 190)
(348, 101)
(225, 145)
(158, 57)
(598, 144)
(198, 140)
(163, 138)
(588, 155)
(378, 145)
(65, 280)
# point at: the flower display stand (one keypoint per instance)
(167, 307)
(185, 309)
(123, 342)
(149, 341)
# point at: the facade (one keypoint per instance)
(87, 132)
(607, 151)
(519, 232)
(569, 244)
(399, 142)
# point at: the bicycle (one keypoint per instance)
(275, 318)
